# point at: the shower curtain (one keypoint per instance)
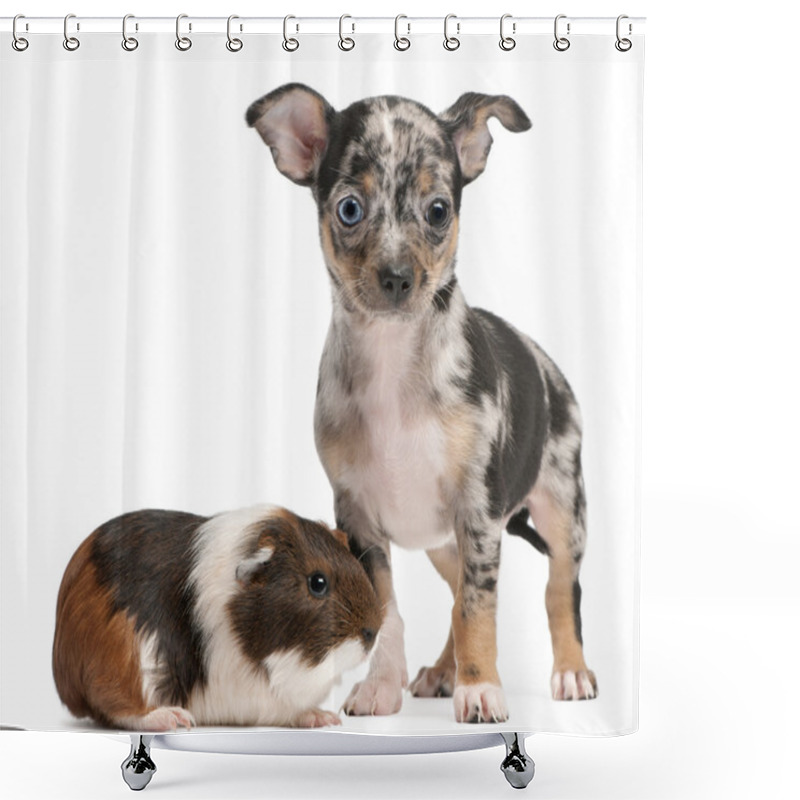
(165, 304)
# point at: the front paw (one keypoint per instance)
(316, 718)
(374, 697)
(480, 702)
(433, 682)
(573, 685)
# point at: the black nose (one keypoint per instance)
(368, 634)
(396, 283)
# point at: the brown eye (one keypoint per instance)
(438, 213)
(318, 584)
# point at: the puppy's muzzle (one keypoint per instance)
(397, 283)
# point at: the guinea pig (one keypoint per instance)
(167, 619)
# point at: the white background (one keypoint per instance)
(718, 705)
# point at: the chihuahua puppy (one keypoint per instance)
(439, 425)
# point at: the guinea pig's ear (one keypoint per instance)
(248, 570)
(293, 121)
(466, 122)
(340, 537)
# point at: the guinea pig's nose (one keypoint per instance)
(369, 636)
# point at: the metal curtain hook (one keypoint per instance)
(289, 44)
(561, 43)
(623, 45)
(19, 43)
(182, 42)
(451, 42)
(70, 42)
(345, 42)
(401, 42)
(234, 45)
(129, 43)
(507, 42)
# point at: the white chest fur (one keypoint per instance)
(401, 477)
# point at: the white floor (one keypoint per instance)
(719, 718)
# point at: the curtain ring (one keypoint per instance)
(561, 43)
(19, 43)
(289, 44)
(129, 43)
(451, 42)
(183, 43)
(506, 42)
(623, 45)
(70, 42)
(401, 42)
(345, 42)
(234, 45)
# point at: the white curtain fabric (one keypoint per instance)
(165, 303)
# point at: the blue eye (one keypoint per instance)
(350, 211)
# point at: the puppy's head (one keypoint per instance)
(387, 176)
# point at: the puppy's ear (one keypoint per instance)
(466, 122)
(293, 120)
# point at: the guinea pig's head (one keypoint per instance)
(302, 595)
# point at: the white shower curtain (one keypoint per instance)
(165, 305)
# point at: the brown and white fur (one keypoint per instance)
(167, 619)
(438, 424)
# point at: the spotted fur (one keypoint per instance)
(439, 425)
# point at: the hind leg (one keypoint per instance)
(559, 516)
(439, 680)
(107, 654)
(158, 720)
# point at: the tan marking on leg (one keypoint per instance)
(555, 526)
(478, 695)
(567, 650)
(475, 642)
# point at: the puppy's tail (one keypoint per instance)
(518, 526)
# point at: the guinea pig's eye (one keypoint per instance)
(350, 211)
(318, 584)
(438, 213)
